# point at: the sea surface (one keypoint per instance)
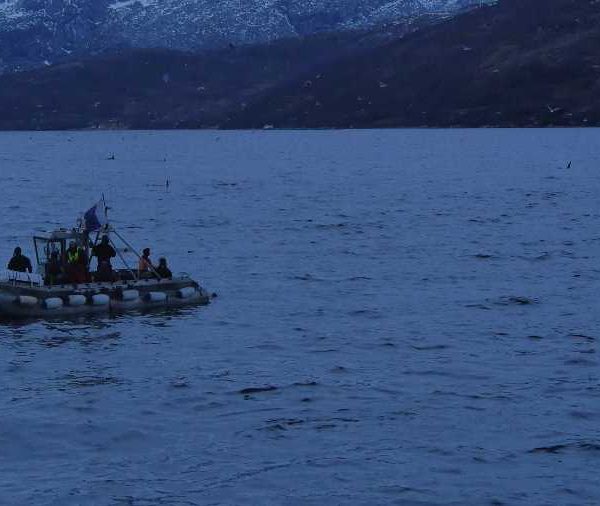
(404, 317)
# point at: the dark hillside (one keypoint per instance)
(158, 88)
(519, 63)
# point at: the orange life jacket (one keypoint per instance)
(145, 264)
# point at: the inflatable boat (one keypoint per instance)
(41, 295)
(21, 297)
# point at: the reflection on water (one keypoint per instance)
(404, 317)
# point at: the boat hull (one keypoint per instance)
(23, 301)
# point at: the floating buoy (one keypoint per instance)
(100, 299)
(129, 295)
(156, 297)
(26, 300)
(53, 303)
(186, 293)
(77, 300)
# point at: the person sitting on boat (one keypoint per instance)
(104, 252)
(145, 265)
(19, 262)
(76, 264)
(163, 270)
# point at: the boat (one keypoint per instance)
(41, 295)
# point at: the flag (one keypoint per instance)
(94, 218)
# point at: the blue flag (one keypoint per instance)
(94, 218)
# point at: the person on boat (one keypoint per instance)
(163, 270)
(145, 265)
(85, 264)
(53, 269)
(104, 252)
(76, 264)
(19, 262)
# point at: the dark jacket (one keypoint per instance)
(20, 263)
(104, 252)
(164, 272)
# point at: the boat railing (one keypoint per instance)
(15, 277)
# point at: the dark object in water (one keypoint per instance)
(559, 448)
(257, 390)
(520, 300)
(515, 300)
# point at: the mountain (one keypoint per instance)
(162, 88)
(38, 32)
(517, 63)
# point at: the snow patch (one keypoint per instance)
(10, 10)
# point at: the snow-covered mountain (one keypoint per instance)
(34, 32)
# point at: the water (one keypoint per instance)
(404, 317)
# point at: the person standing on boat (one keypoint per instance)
(19, 262)
(53, 269)
(84, 262)
(76, 264)
(145, 264)
(104, 252)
